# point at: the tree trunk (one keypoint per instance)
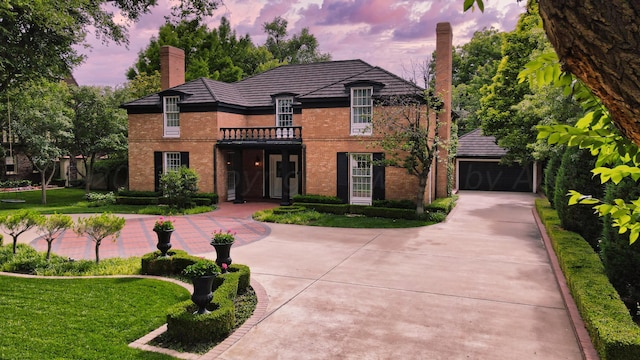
(97, 252)
(43, 184)
(422, 185)
(88, 169)
(49, 249)
(598, 42)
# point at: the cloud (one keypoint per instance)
(387, 33)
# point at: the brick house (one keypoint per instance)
(293, 129)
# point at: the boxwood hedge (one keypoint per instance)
(614, 334)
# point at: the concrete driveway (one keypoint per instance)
(479, 286)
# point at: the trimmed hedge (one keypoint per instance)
(189, 328)
(396, 204)
(317, 199)
(154, 264)
(373, 211)
(444, 205)
(288, 209)
(134, 193)
(138, 200)
(613, 333)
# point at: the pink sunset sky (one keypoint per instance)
(385, 33)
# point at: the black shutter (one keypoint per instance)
(343, 176)
(378, 177)
(184, 159)
(157, 169)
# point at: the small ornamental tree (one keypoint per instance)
(404, 128)
(99, 227)
(179, 187)
(19, 222)
(51, 227)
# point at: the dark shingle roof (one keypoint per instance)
(314, 81)
(474, 144)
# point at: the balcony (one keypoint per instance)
(276, 135)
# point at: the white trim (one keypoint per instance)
(170, 107)
(360, 200)
(361, 127)
(287, 122)
(165, 161)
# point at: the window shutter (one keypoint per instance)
(184, 159)
(378, 178)
(343, 176)
(157, 169)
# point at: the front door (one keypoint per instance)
(231, 179)
(275, 175)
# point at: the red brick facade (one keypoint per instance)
(326, 134)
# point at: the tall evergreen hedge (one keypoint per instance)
(575, 174)
(550, 172)
(622, 260)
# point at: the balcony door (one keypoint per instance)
(275, 176)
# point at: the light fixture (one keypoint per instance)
(257, 162)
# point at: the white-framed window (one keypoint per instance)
(361, 110)
(11, 164)
(172, 161)
(284, 111)
(171, 116)
(361, 179)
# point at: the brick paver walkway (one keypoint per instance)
(192, 234)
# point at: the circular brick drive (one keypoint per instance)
(192, 234)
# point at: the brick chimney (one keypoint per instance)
(444, 68)
(171, 67)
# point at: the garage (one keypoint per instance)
(478, 167)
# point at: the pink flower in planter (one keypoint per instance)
(224, 266)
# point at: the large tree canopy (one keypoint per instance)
(599, 42)
(37, 37)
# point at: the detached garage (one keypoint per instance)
(478, 167)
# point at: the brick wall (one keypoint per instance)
(198, 135)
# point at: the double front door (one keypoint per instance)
(275, 175)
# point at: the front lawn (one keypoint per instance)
(82, 318)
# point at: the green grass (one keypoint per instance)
(314, 218)
(72, 201)
(82, 318)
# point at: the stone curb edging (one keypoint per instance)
(142, 343)
(584, 340)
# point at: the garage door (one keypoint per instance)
(491, 176)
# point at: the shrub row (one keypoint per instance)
(15, 183)
(154, 264)
(128, 197)
(373, 211)
(444, 205)
(134, 193)
(189, 328)
(317, 199)
(613, 332)
(182, 324)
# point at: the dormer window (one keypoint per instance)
(171, 116)
(284, 111)
(361, 110)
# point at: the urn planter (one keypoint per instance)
(223, 255)
(202, 293)
(164, 241)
